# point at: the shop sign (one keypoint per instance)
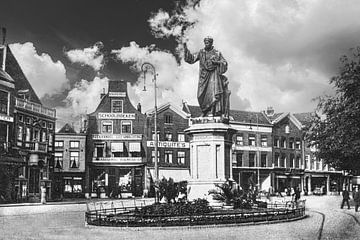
(168, 144)
(117, 94)
(6, 118)
(116, 115)
(117, 136)
(117, 160)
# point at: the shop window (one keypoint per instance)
(168, 136)
(264, 141)
(168, 157)
(240, 139)
(117, 106)
(252, 140)
(181, 137)
(239, 159)
(74, 159)
(4, 96)
(59, 144)
(126, 127)
(58, 160)
(168, 119)
(74, 144)
(252, 158)
(73, 185)
(181, 157)
(107, 127)
(263, 160)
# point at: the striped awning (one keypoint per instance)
(117, 147)
(134, 147)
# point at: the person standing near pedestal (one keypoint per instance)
(356, 198)
(43, 194)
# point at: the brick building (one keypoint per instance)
(33, 133)
(69, 163)
(116, 146)
(173, 143)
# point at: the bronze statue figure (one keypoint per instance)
(213, 94)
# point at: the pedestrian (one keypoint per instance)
(296, 194)
(356, 197)
(346, 197)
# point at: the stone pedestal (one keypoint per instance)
(210, 155)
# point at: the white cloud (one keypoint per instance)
(280, 53)
(82, 99)
(90, 56)
(45, 75)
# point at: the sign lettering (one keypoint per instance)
(116, 115)
(117, 136)
(167, 144)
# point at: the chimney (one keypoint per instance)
(269, 111)
(139, 107)
(102, 94)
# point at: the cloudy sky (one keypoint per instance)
(280, 53)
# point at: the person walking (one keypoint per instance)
(346, 197)
(356, 199)
(296, 194)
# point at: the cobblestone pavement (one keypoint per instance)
(325, 221)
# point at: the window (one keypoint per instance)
(106, 127)
(153, 156)
(283, 142)
(252, 157)
(126, 127)
(239, 160)
(287, 129)
(19, 133)
(298, 162)
(168, 156)
(4, 102)
(181, 158)
(21, 118)
(43, 136)
(168, 119)
(277, 160)
(239, 139)
(264, 141)
(59, 144)
(251, 140)
(117, 106)
(181, 137)
(50, 139)
(59, 160)
(298, 144)
(74, 159)
(36, 135)
(28, 134)
(307, 161)
(263, 159)
(282, 161)
(168, 136)
(50, 125)
(276, 142)
(28, 120)
(43, 124)
(74, 144)
(99, 150)
(117, 149)
(291, 143)
(153, 135)
(291, 161)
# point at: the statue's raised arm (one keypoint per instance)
(213, 93)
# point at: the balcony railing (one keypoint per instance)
(34, 107)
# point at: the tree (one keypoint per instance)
(337, 135)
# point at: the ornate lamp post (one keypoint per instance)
(145, 67)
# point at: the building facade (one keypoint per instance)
(69, 163)
(116, 146)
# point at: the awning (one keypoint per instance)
(117, 147)
(134, 147)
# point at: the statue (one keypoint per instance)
(213, 94)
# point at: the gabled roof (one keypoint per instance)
(306, 119)
(67, 129)
(292, 118)
(6, 77)
(170, 106)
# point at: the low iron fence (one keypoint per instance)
(131, 216)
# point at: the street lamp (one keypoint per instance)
(145, 67)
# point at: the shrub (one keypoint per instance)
(169, 189)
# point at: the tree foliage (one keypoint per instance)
(337, 135)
